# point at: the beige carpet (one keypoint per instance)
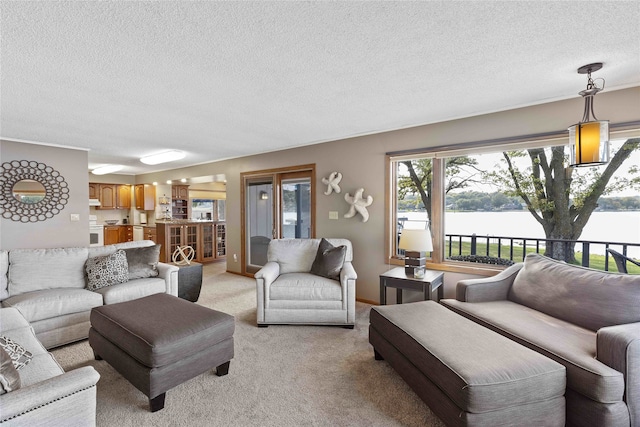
(280, 376)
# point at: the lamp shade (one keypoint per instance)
(589, 143)
(416, 240)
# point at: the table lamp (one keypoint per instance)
(416, 243)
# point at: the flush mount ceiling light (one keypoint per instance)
(589, 139)
(102, 170)
(167, 156)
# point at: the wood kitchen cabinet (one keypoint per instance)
(94, 190)
(145, 195)
(111, 196)
(149, 233)
(221, 240)
(125, 233)
(117, 234)
(180, 201)
(170, 236)
(123, 197)
(208, 239)
(208, 236)
(107, 195)
(111, 234)
(180, 192)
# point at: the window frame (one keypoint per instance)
(439, 154)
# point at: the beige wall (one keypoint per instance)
(361, 160)
(58, 231)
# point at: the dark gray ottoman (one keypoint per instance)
(160, 341)
(466, 373)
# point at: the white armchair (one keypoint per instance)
(288, 293)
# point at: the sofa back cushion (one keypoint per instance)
(4, 271)
(582, 296)
(37, 269)
(95, 251)
(297, 255)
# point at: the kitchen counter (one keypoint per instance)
(185, 221)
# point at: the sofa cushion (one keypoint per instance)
(293, 255)
(297, 255)
(132, 289)
(4, 270)
(143, 261)
(570, 345)
(50, 303)
(19, 356)
(9, 376)
(109, 249)
(107, 270)
(582, 296)
(329, 260)
(305, 286)
(37, 269)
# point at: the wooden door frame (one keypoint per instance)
(275, 175)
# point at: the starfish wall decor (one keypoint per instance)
(358, 204)
(332, 183)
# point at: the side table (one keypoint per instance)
(396, 278)
(189, 281)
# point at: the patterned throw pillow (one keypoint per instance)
(9, 376)
(107, 270)
(18, 354)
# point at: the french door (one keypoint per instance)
(278, 203)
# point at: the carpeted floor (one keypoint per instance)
(280, 376)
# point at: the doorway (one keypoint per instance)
(278, 203)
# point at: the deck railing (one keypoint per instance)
(494, 247)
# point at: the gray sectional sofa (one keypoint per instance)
(586, 320)
(47, 396)
(48, 286)
(45, 304)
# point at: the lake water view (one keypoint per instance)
(622, 227)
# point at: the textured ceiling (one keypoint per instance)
(227, 79)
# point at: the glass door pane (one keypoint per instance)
(259, 221)
(296, 207)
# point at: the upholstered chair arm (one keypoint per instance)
(269, 272)
(347, 272)
(619, 347)
(493, 288)
(67, 399)
(348, 278)
(170, 275)
(264, 278)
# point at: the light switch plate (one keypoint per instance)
(75, 217)
(333, 214)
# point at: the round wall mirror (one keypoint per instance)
(31, 191)
(28, 191)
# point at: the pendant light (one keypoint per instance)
(589, 139)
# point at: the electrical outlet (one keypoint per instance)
(333, 214)
(75, 217)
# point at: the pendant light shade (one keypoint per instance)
(589, 143)
(589, 139)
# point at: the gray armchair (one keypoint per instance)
(287, 293)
